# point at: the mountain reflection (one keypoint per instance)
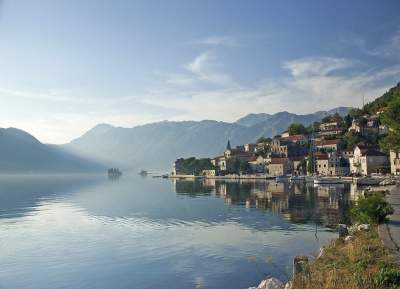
(296, 202)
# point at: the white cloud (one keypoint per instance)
(204, 69)
(228, 41)
(312, 84)
(201, 90)
(390, 49)
(312, 66)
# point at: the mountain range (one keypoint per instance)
(155, 146)
(20, 152)
(152, 146)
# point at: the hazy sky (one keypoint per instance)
(66, 66)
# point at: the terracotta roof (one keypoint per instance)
(321, 156)
(278, 161)
(296, 137)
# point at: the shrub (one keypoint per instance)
(388, 278)
(371, 209)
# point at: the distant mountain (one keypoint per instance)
(256, 118)
(157, 145)
(253, 119)
(20, 152)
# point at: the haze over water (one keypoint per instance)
(90, 232)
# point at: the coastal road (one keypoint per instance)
(390, 232)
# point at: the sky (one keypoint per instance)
(68, 65)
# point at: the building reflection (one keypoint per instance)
(297, 202)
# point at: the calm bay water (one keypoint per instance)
(90, 232)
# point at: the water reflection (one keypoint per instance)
(298, 202)
(88, 232)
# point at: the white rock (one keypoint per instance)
(271, 283)
(363, 227)
(353, 229)
(349, 238)
(321, 252)
(288, 285)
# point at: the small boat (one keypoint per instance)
(114, 173)
(282, 178)
(297, 178)
(327, 181)
(368, 181)
(143, 173)
(310, 179)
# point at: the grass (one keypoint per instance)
(361, 263)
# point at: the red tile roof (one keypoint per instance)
(278, 161)
(294, 138)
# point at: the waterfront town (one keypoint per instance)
(338, 146)
(361, 148)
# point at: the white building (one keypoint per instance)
(367, 160)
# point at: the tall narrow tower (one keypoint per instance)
(228, 145)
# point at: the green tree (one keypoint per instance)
(391, 117)
(352, 138)
(297, 128)
(264, 140)
(310, 164)
(371, 209)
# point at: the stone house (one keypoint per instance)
(280, 166)
(395, 163)
(299, 139)
(330, 129)
(367, 160)
(257, 164)
(286, 149)
(219, 163)
(250, 148)
(330, 164)
(331, 145)
(369, 127)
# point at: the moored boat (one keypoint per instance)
(297, 178)
(282, 178)
(327, 181)
(368, 181)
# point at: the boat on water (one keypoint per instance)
(114, 173)
(297, 178)
(327, 181)
(282, 178)
(368, 181)
(143, 173)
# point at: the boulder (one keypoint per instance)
(270, 283)
(343, 231)
(349, 238)
(353, 229)
(288, 285)
(363, 227)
